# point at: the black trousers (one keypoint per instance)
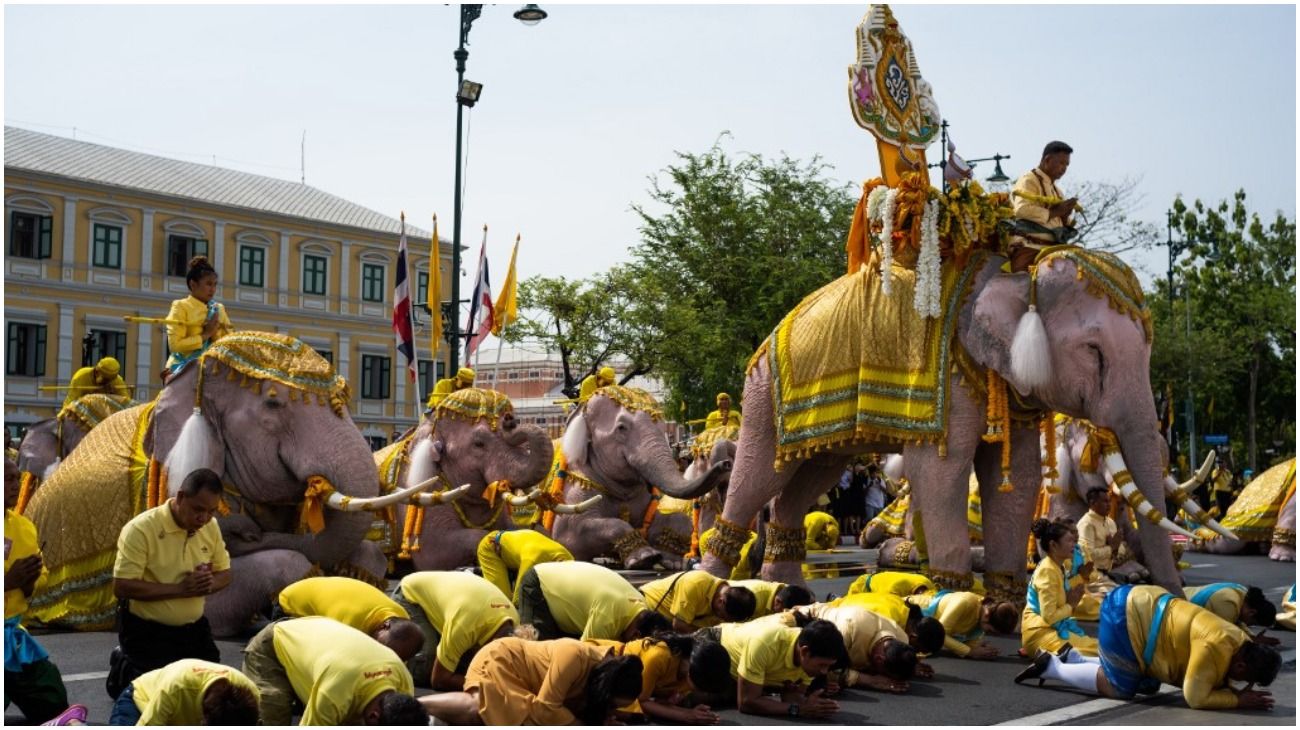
(145, 645)
(533, 608)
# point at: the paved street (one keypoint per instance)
(962, 692)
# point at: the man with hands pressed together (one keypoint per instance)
(169, 559)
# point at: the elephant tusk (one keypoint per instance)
(577, 509)
(1201, 474)
(433, 498)
(520, 500)
(345, 503)
(1129, 491)
(1178, 493)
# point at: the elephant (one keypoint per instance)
(268, 415)
(1085, 352)
(472, 440)
(48, 442)
(1264, 513)
(712, 446)
(615, 446)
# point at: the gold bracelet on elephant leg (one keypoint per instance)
(785, 544)
(1283, 537)
(903, 554)
(1002, 586)
(628, 544)
(726, 542)
(673, 542)
(947, 579)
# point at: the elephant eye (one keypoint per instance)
(274, 404)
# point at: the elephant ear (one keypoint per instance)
(994, 317)
(174, 423)
(575, 439)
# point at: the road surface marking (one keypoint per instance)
(84, 676)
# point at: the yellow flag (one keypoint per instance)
(434, 294)
(506, 308)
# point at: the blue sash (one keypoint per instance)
(866, 587)
(1065, 626)
(1202, 596)
(1076, 562)
(933, 608)
(934, 603)
(1118, 660)
(20, 648)
(1290, 595)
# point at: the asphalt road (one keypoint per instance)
(963, 692)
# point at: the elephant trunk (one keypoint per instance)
(660, 470)
(1139, 473)
(530, 467)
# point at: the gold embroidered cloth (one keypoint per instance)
(852, 364)
(472, 404)
(1253, 515)
(704, 443)
(633, 399)
(91, 409)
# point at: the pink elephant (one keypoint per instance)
(615, 447)
(472, 441)
(1091, 362)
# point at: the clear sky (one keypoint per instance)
(578, 111)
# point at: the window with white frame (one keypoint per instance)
(252, 266)
(421, 288)
(30, 234)
(25, 350)
(314, 270)
(180, 249)
(108, 343)
(372, 282)
(376, 372)
(107, 246)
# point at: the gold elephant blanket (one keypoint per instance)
(853, 364)
(79, 527)
(1254, 514)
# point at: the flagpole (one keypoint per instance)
(410, 318)
(508, 282)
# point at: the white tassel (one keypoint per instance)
(1031, 359)
(422, 466)
(575, 439)
(893, 466)
(194, 449)
(49, 470)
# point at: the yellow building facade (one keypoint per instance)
(93, 233)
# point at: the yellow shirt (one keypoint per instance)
(661, 671)
(883, 604)
(823, 531)
(714, 419)
(589, 600)
(762, 652)
(1286, 617)
(1193, 649)
(186, 338)
(83, 384)
(589, 386)
(1224, 603)
(153, 547)
(20, 542)
(1094, 531)
(465, 609)
(894, 582)
(691, 600)
(346, 600)
(764, 593)
(502, 552)
(861, 630)
(173, 695)
(1037, 183)
(960, 612)
(1036, 630)
(336, 670)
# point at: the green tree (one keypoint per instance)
(728, 246)
(1239, 282)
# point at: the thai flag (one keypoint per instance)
(481, 312)
(402, 308)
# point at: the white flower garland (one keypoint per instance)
(874, 199)
(887, 241)
(928, 275)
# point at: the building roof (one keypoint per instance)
(54, 155)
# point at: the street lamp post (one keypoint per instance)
(467, 93)
(997, 177)
(1176, 248)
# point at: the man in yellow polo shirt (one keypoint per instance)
(188, 692)
(1148, 637)
(169, 559)
(356, 604)
(505, 552)
(925, 633)
(771, 597)
(336, 674)
(966, 618)
(103, 377)
(894, 582)
(695, 600)
(879, 656)
(584, 600)
(769, 654)
(459, 613)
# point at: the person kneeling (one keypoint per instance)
(770, 655)
(188, 692)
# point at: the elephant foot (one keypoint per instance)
(1282, 554)
(644, 559)
(635, 553)
(714, 566)
(785, 571)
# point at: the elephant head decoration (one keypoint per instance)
(267, 414)
(475, 443)
(1263, 514)
(615, 447)
(1092, 361)
(50, 441)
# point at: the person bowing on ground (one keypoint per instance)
(357, 604)
(694, 600)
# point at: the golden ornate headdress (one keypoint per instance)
(93, 408)
(633, 399)
(269, 356)
(471, 404)
(703, 443)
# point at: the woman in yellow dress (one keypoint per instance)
(198, 319)
(1048, 622)
(675, 670)
(562, 682)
